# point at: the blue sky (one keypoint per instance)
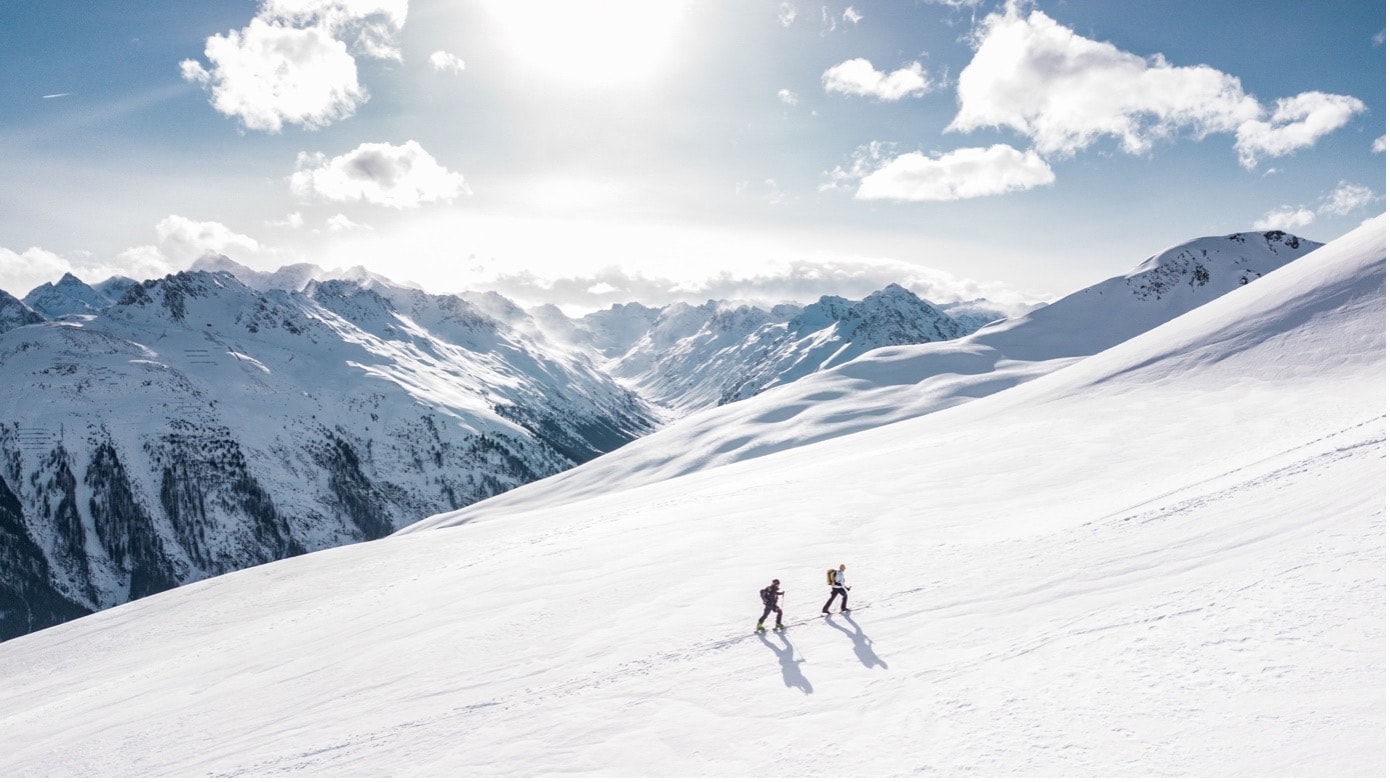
(585, 153)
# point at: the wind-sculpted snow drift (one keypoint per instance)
(1165, 559)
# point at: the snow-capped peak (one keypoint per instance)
(69, 296)
(1239, 257)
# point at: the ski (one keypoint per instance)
(800, 622)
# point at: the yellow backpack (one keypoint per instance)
(830, 576)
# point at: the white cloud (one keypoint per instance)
(788, 97)
(1347, 198)
(180, 241)
(295, 62)
(1343, 200)
(827, 21)
(865, 160)
(768, 191)
(292, 220)
(402, 177)
(183, 241)
(852, 16)
(145, 256)
(964, 173)
(775, 194)
(1285, 218)
(1378, 146)
(370, 27)
(1296, 123)
(444, 61)
(341, 222)
(786, 14)
(22, 272)
(859, 77)
(270, 74)
(1066, 92)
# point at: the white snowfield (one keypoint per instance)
(1164, 559)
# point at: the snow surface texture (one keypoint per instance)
(1166, 559)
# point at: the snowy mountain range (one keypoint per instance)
(158, 433)
(1164, 555)
(199, 426)
(71, 296)
(688, 358)
(897, 383)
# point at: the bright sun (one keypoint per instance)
(604, 43)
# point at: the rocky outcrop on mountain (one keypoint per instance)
(29, 598)
(15, 313)
(1241, 256)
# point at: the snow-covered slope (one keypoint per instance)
(1166, 559)
(200, 426)
(896, 383)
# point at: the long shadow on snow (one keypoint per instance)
(791, 667)
(863, 647)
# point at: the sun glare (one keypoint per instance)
(607, 43)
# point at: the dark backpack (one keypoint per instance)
(766, 594)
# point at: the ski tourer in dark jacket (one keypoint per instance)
(770, 594)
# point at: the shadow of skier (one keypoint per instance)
(791, 667)
(863, 647)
